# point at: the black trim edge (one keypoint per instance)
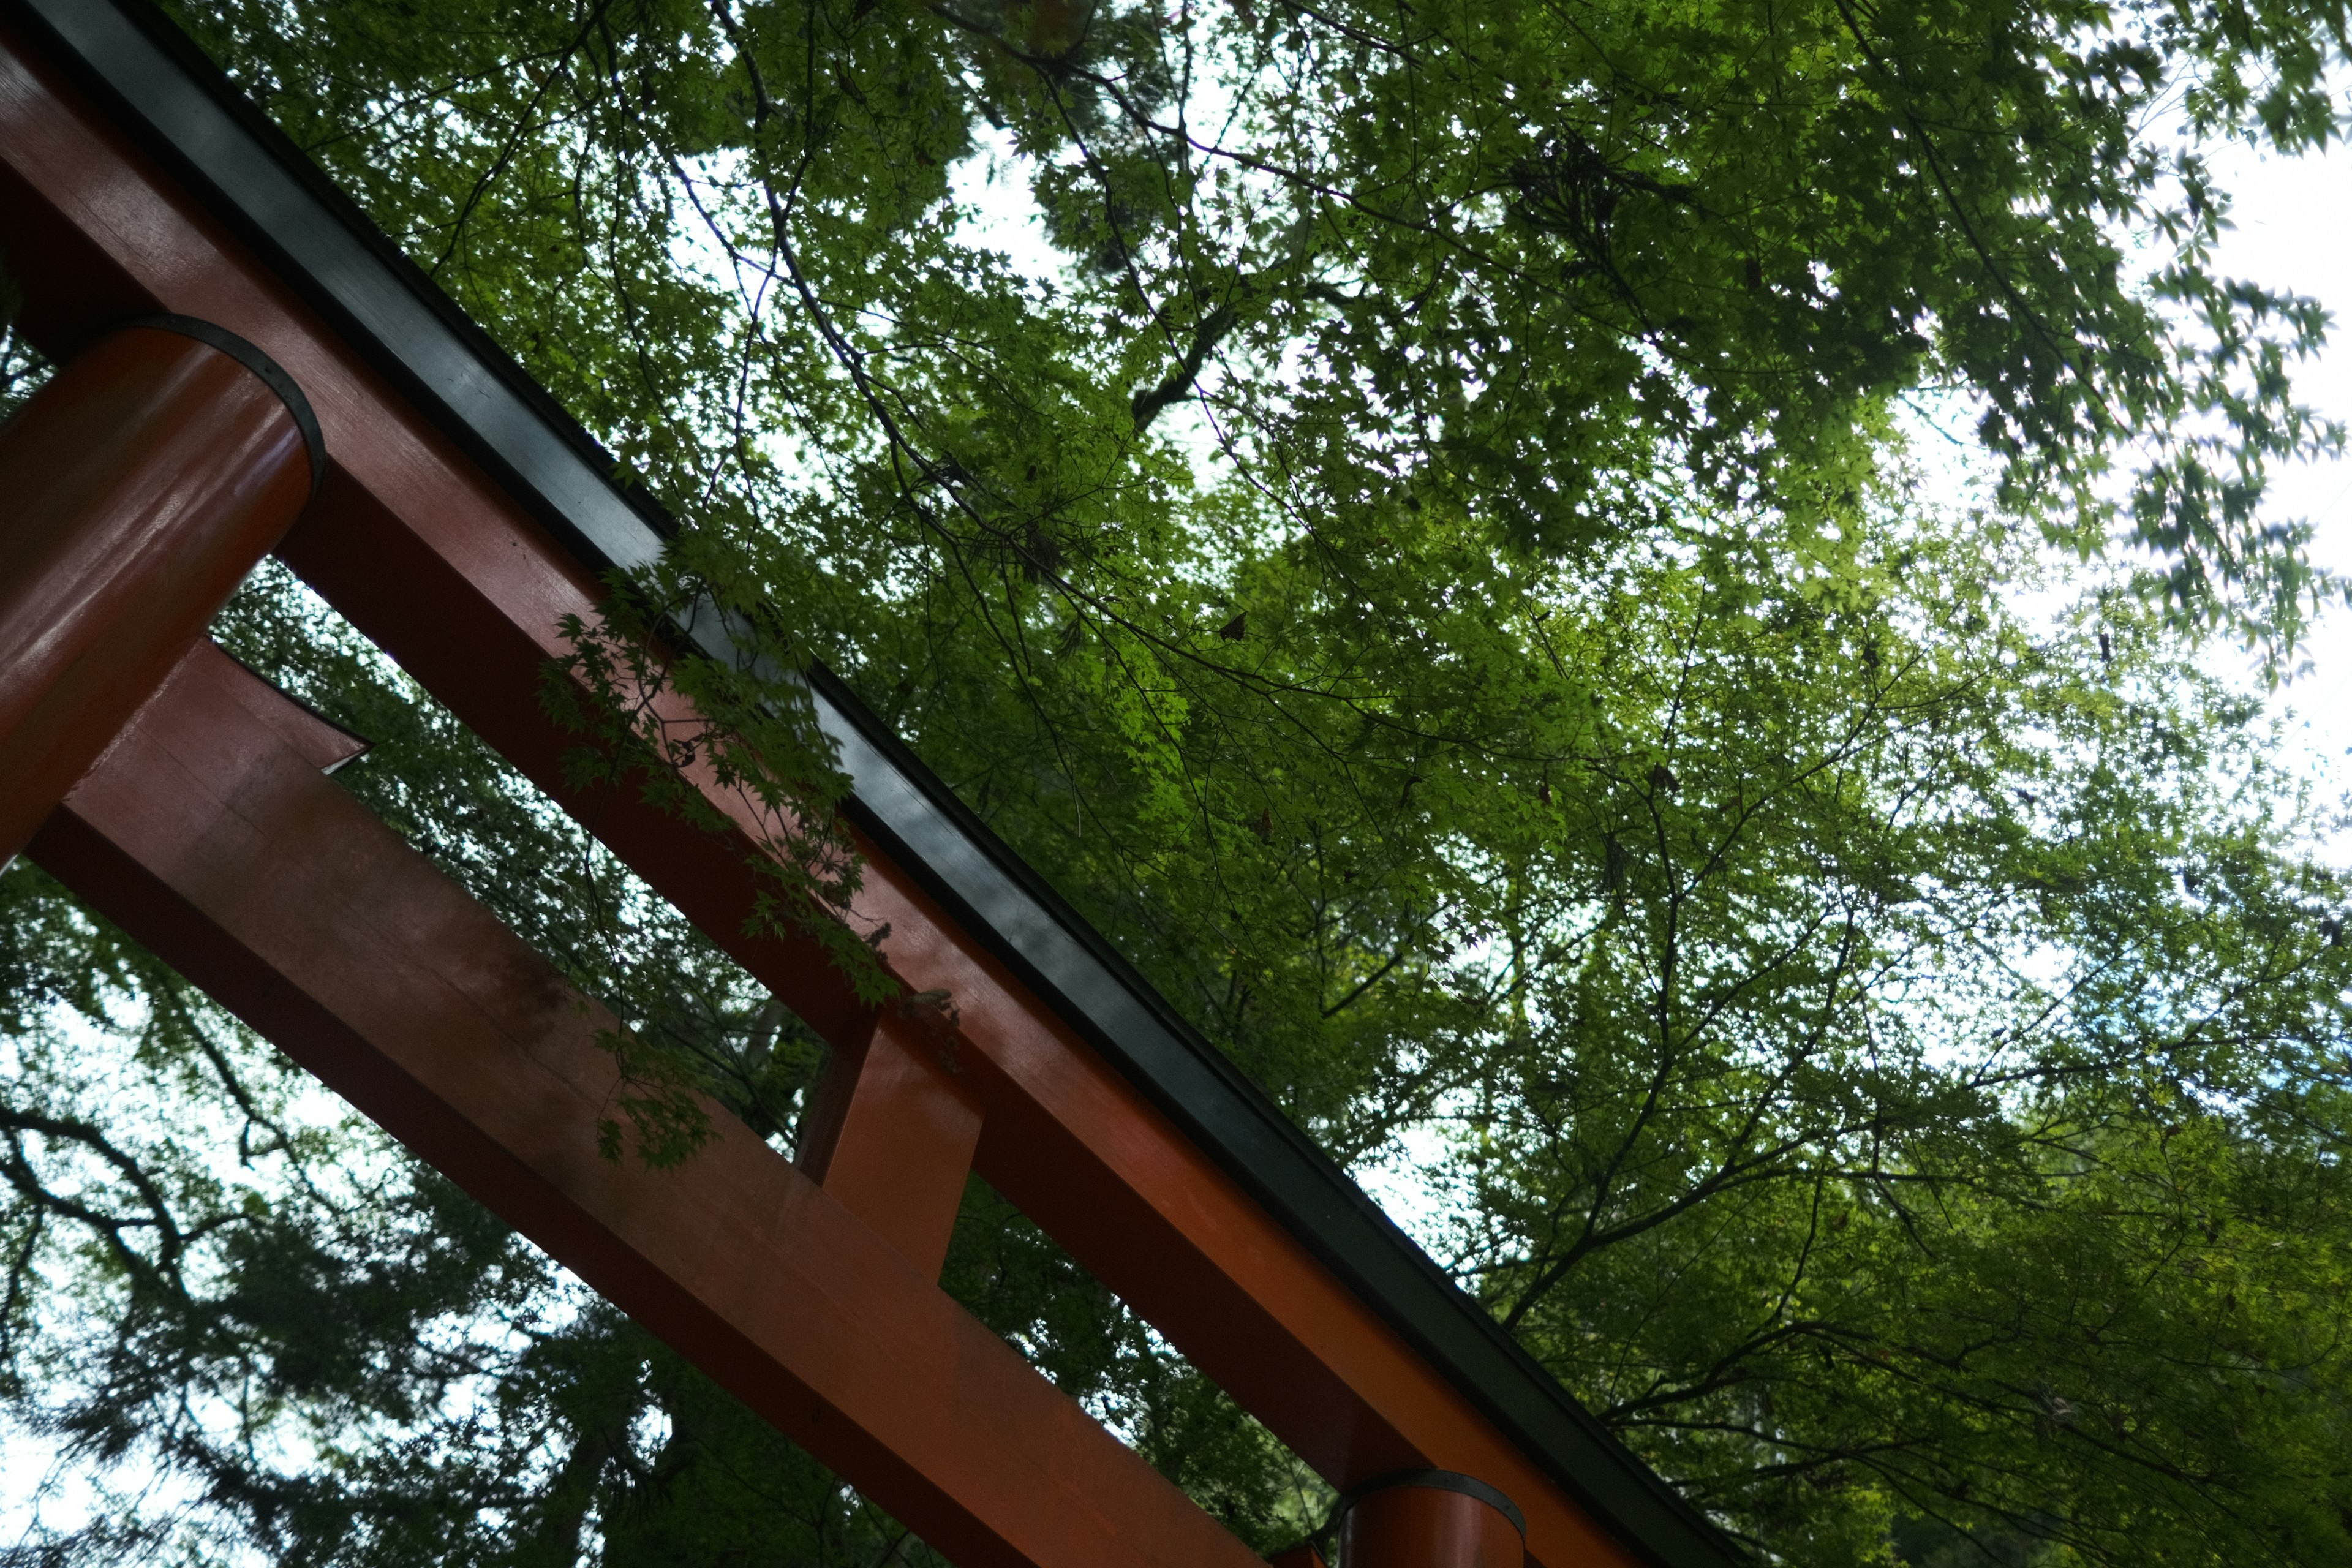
(1436, 1480)
(272, 376)
(178, 106)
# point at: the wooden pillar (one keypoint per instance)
(137, 489)
(1431, 1518)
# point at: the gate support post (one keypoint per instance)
(137, 489)
(1431, 1518)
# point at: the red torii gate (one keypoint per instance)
(246, 366)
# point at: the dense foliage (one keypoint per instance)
(1404, 513)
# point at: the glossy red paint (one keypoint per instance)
(209, 834)
(147, 478)
(430, 558)
(891, 1131)
(1424, 1527)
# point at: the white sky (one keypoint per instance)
(2293, 230)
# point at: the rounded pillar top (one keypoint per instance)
(1428, 1518)
(143, 483)
(270, 373)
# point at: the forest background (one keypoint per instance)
(1429, 526)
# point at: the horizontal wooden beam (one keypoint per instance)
(210, 835)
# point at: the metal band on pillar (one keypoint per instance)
(1428, 1518)
(137, 489)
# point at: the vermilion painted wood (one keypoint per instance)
(209, 834)
(430, 558)
(1422, 1527)
(891, 1131)
(137, 489)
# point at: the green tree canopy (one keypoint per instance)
(1404, 513)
